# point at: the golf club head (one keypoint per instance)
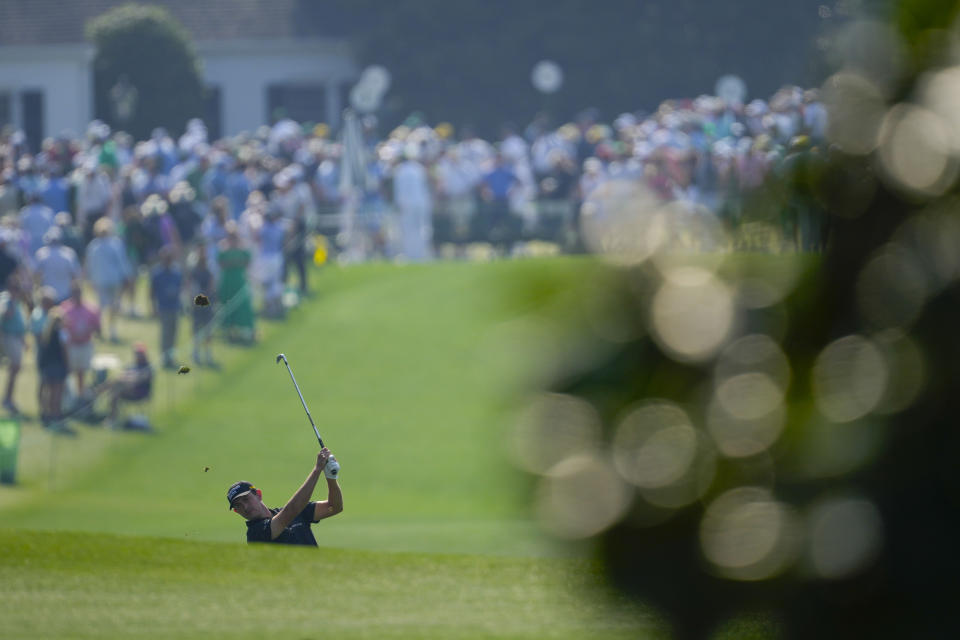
(280, 357)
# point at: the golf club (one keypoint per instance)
(333, 467)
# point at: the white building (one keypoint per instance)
(258, 56)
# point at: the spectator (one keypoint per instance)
(160, 228)
(496, 219)
(166, 282)
(233, 290)
(13, 331)
(108, 270)
(38, 320)
(411, 195)
(137, 244)
(94, 192)
(9, 193)
(201, 281)
(183, 212)
(54, 189)
(68, 233)
(81, 322)
(9, 262)
(271, 237)
(295, 248)
(36, 219)
(134, 384)
(52, 362)
(57, 266)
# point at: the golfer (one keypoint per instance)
(290, 525)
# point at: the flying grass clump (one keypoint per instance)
(182, 370)
(201, 300)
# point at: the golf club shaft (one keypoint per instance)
(302, 401)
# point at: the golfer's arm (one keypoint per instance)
(332, 505)
(295, 505)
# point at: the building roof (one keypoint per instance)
(37, 22)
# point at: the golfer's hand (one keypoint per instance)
(322, 458)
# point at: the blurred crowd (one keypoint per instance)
(234, 219)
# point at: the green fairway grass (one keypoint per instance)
(408, 382)
(414, 375)
(55, 585)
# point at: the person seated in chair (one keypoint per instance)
(133, 385)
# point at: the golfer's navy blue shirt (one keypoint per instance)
(297, 532)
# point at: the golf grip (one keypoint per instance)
(332, 470)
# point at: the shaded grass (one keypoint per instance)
(66, 585)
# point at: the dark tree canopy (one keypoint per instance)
(145, 58)
(469, 61)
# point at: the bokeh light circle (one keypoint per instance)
(551, 428)
(654, 445)
(845, 536)
(747, 535)
(849, 378)
(692, 315)
(916, 150)
(580, 497)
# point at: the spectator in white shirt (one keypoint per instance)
(57, 265)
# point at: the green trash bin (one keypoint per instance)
(9, 448)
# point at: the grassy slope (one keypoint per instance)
(94, 586)
(409, 386)
(405, 384)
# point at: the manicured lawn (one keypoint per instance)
(58, 585)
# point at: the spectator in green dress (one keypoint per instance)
(233, 290)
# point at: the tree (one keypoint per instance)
(763, 481)
(469, 61)
(146, 71)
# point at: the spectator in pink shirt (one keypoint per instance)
(81, 322)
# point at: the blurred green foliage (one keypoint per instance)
(888, 285)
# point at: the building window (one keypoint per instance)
(300, 102)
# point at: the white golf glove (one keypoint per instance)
(332, 468)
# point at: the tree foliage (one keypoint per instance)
(469, 61)
(145, 48)
(887, 465)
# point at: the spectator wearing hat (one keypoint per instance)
(94, 192)
(270, 240)
(108, 269)
(36, 219)
(56, 265)
(166, 282)
(81, 322)
(411, 195)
